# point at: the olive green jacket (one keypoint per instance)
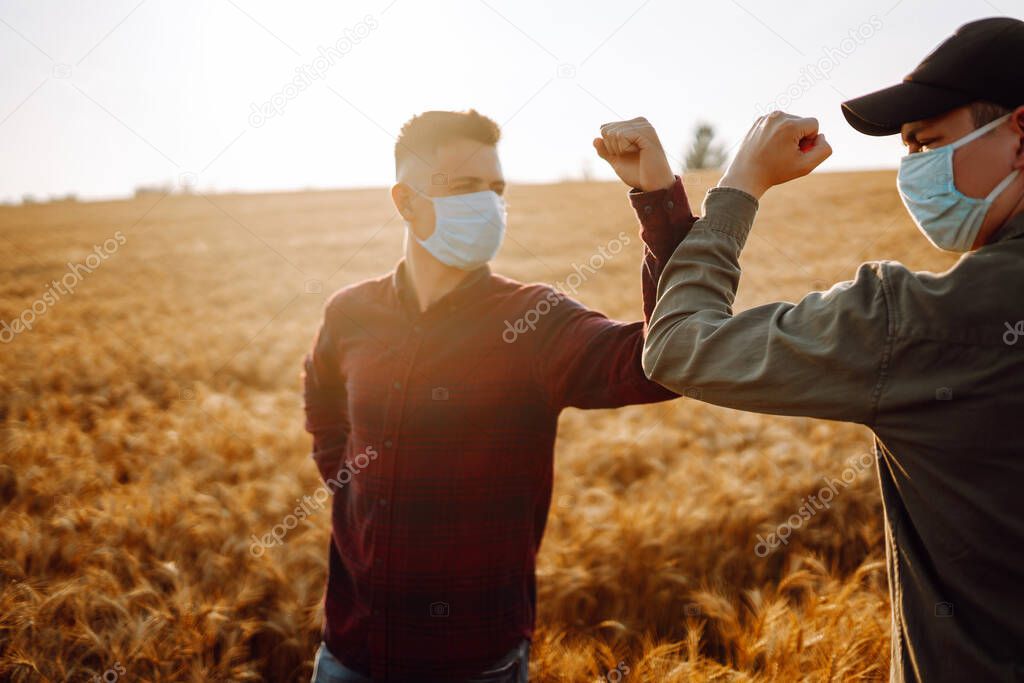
(934, 365)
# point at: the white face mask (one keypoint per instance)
(949, 219)
(468, 229)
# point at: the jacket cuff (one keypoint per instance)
(730, 211)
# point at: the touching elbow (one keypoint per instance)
(649, 360)
(662, 362)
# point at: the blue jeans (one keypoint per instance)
(512, 668)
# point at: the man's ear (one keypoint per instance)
(401, 195)
(1018, 127)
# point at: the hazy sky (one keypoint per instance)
(100, 97)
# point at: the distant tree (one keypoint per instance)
(703, 153)
(148, 190)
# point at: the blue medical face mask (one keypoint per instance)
(949, 219)
(468, 229)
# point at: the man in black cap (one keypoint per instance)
(933, 364)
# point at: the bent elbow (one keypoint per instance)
(650, 360)
(662, 361)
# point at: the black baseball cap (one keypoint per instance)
(982, 61)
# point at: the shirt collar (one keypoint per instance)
(463, 292)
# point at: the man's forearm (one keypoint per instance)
(326, 420)
(701, 283)
(822, 357)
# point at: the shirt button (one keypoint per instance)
(397, 385)
(388, 443)
(648, 209)
(670, 205)
(383, 502)
(378, 562)
(417, 329)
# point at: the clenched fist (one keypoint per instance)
(633, 150)
(778, 148)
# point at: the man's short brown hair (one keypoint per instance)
(424, 133)
(987, 112)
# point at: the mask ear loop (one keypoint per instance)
(971, 137)
(974, 135)
(408, 226)
(1001, 187)
(409, 201)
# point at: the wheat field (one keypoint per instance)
(151, 423)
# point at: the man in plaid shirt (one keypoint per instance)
(433, 394)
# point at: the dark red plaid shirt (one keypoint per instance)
(438, 431)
